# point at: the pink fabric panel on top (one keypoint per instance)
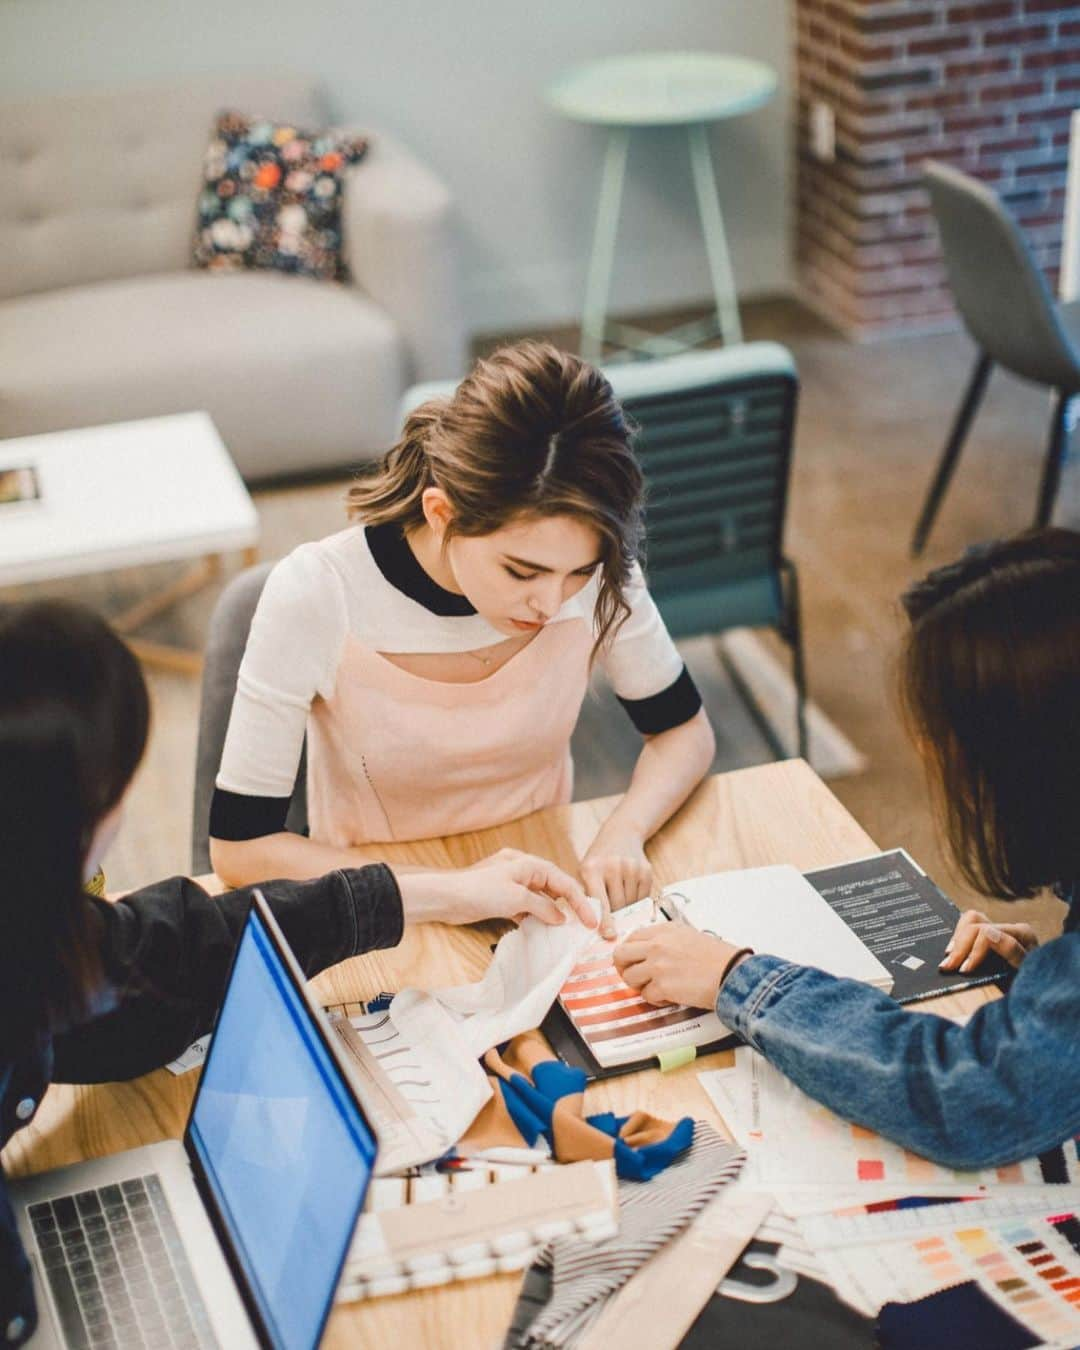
(394, 756)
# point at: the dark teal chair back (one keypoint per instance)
(715, 447)
(715, 434)
(714, 438)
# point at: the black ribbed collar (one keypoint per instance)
(398, 564)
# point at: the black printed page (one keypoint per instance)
(905, 920)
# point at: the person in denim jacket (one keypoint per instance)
(990, 681)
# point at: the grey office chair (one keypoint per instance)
(225, 643)
(1007, 308)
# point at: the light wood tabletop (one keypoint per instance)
(769, 814)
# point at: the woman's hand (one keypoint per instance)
(674, 963)
(616, 871)
(508, 885)
(976, 936)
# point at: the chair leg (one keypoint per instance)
(793, 634)
(1055, 455)
(972, 398)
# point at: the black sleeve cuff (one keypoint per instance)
(380, 914)
(235, 816)
(671, 707)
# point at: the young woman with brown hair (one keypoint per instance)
(436, 653)
(991, 685)
(92, 991)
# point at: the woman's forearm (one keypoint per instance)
(290, 857)
(1002, 1087)
(668, 769)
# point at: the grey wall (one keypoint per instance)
(461, 81)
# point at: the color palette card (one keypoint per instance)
(1023, 1250)
(613, 1019)
(796, 1143)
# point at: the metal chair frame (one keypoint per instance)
(1050, 356)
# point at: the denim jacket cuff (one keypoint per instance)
(745, 989)
(377, 918)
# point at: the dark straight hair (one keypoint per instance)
(74, 718)
(990, 682)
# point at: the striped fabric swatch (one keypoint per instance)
(568, 1285)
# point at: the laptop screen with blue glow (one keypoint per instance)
(286, 1152)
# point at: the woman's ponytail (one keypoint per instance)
(393, 488)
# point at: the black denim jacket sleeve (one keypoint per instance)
(167, 950)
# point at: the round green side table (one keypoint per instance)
(659, 89)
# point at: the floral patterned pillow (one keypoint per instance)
(272, 197)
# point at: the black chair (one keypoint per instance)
(1007, 308)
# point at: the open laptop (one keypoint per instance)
(236, 1236)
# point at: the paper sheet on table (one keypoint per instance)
(528, 969)
(422, 1095)
(795, 1144)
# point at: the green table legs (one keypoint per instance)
(596, 328)
(602, 258)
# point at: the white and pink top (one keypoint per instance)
(393, 755)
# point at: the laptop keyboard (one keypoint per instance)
(117, 1270)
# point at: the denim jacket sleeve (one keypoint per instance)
(1005, 1086)
(167, 951)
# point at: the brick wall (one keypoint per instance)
(987, 85)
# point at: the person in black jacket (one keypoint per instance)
(92, 991)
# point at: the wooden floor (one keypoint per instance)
(870, 426)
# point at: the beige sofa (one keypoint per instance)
(103, 318)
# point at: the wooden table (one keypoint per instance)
(774, 813)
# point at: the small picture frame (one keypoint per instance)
(19, 485)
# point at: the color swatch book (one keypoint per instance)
(772, 909)
(474, 1220)
(1022, 1248)
(794, 1143)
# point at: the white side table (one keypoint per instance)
(659, 89)
(125, 495)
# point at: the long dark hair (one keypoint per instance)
(74, 717)
(990, 682)
(530, 431)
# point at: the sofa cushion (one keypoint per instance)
(272, 197)
(297, 375)
(103, 184)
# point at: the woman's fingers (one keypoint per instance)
(1007, 946)
(963, 939)
(606, 924)
(980, 948)
(976, 936)
(1011, 941)
(636, 974)
(540, 906)
(592, 876)
(551, 881)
